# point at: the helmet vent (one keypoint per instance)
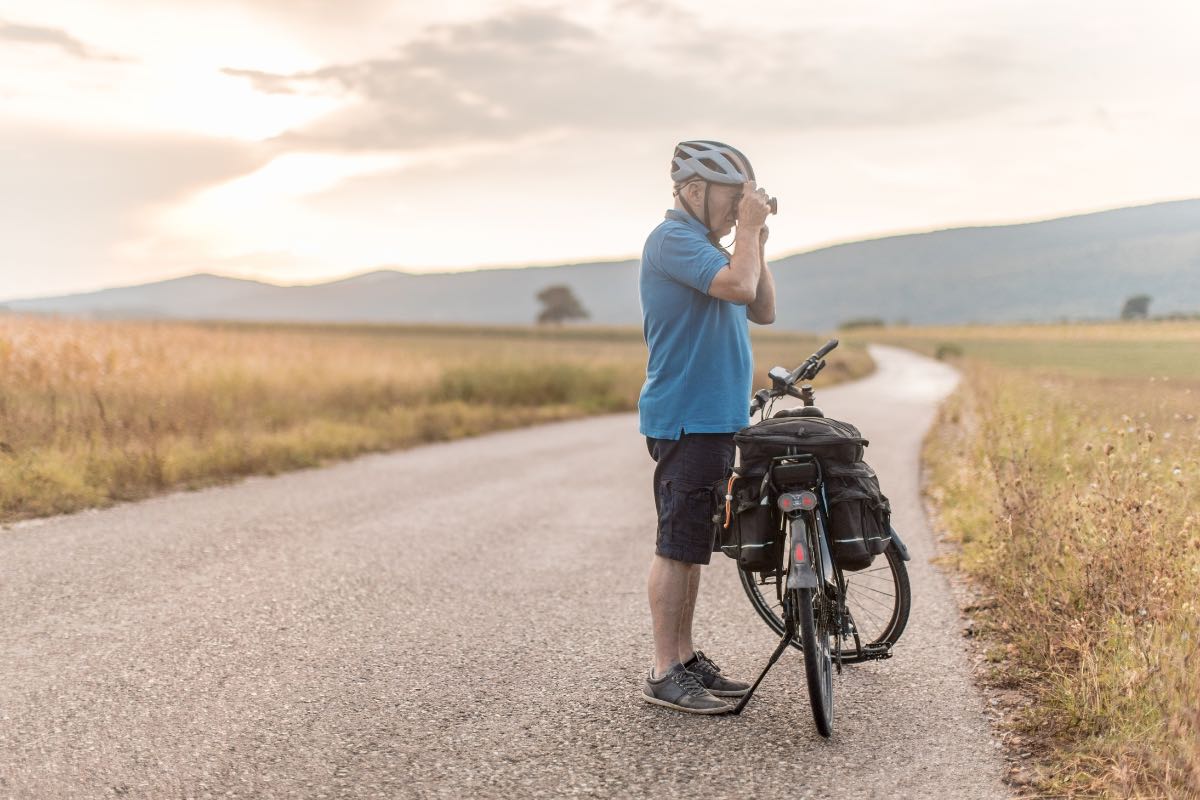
(714, 162)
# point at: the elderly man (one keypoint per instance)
(696, 299)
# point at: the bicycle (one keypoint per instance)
(833, 616)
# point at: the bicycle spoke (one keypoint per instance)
(877, 591)
(873, 582)
(875, 600)
(858, 598)
(886, 579)
(870, 615)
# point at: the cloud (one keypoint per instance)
(265, 82)
(649, 8)
(53, 37)
(70, 199)
(532, 72)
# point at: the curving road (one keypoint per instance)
(458, 620)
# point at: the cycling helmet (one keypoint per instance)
(710, 161)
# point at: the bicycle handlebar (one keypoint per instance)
(806, 371)
(813, 364)
(824, 351)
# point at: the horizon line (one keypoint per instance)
(546, 264)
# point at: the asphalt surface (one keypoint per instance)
(465, 619)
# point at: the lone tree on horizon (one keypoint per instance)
(559, 304)
(1136, 307)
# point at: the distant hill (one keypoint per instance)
(1080, 267)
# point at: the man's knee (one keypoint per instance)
(675, 565)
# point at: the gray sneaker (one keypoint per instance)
(710, 675)
(682, 691)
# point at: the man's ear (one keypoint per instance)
(694, 192)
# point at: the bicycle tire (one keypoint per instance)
(860, 595)
(770, 608)
(818, 662)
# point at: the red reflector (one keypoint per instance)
(809, 501)
(799, 551)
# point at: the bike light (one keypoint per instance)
(799, 552)
(797, 501)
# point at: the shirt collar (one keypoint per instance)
(687, 219)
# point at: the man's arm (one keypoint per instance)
(762, 308)
(738, 281)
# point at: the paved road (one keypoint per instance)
(459, 620)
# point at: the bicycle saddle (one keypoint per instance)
(802, 411)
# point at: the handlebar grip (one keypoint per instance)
(805, 370)
(832, 343)
(759, 400)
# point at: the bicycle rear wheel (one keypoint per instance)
(811, 613)
(818, 662)
(878, 600)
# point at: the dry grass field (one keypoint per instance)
(97, 412)
(1125, 349)
(1067, 467)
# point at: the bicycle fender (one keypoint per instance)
(801, 574)
(901, 548)
(802, 577)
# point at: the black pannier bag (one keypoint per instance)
(830, 440)
(747, 530)
(859, 515)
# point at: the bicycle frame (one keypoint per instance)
(802, 575)
(812, 564)
(796, 488)
(794, 476)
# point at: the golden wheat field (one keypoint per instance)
(94, 412)
(1067, 466)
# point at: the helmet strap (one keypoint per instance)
(712, 237)
(688, 207)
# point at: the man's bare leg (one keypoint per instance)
(686, 648)
(669, 586)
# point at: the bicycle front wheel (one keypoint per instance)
(878, 600)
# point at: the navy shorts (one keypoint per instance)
(685, 473)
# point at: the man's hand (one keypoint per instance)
(739, 282)
(753, 209)
(762, 235)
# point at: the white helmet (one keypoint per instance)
(711, 161)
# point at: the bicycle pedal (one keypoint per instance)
(876, 652)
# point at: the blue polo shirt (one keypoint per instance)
(700, 365)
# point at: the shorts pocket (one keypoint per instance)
(686, 520)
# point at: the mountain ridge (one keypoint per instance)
(1080, 266)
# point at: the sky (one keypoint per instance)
(297, 141)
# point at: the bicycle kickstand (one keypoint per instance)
(788, 630)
